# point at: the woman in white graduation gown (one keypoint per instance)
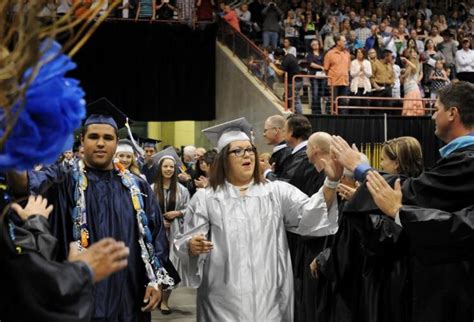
(234, 243)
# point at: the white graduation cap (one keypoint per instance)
(168, 153)
(125, 146)
(223, 134)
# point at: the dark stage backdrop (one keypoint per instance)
(154, 72)
(370, 129)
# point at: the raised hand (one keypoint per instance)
(388, 199)
(347, 156)
(105, 257)
(37, 205)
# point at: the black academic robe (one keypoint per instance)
(36, 287)
(150, 173)
(277, 158)
(442, 243)
(386, 256)
(110, 213)
(298, 171)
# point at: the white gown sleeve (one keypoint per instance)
(307, 216)
(196, 221)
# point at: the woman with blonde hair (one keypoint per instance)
(126, 155)
(413, 105)
(403, 156)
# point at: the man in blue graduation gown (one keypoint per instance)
(128, 295)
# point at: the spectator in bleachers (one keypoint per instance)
(329, 28)
(245, 18)
(395, 43)
(420, 29)
(448, 48)
(165, 11)
(315, 61)
(383, 77)
(271, 25)
(411, 85)
(362, 33)
(465, 62)
(146, 9)
(291, 26)
(442, 23)
(287, 63)
(231, 17)
(361, 71)
(420, 45)
(396, 89)
(353, 20)
(434, 35)
(310, 32)
(270, 73)
(439, 78)
(337, 63)
(204, 10)
(288, 48)
(370, 42)
(353, 43)
(256, 7)
(468, 27)
(345, 28)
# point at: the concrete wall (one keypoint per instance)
(238, 94)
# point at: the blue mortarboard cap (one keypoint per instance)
(102, 111)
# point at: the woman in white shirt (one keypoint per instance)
(361, 71)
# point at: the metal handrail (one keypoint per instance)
(293, 89)
(373, 98)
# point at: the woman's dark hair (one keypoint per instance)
(362, 50)
(220, 168)
(160, 191)
(406, 150)
(209, 158)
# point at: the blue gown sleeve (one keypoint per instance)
(40, 181)
(155, 223)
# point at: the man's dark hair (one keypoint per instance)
(84, 131)
(279, 52)
(460, 95)
(299, 126)
(337, 37)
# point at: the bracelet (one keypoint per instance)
(330, 184)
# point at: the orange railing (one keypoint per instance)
(426, 102)
(250, 54)
(326, 89)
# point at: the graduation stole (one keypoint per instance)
(156, 273)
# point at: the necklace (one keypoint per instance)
(156, 273)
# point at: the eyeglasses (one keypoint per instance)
(241, 152)
(272, 128)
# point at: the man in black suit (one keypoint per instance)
(273, 134)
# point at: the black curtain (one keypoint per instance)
(370, 129)
(153, 72)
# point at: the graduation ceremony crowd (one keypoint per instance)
(309, 232)
(106, 229)
(396, 49)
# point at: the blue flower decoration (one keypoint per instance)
(54, 108)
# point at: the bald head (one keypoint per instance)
(319, 146)
(321, 140)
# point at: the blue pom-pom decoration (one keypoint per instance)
(54, 108)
